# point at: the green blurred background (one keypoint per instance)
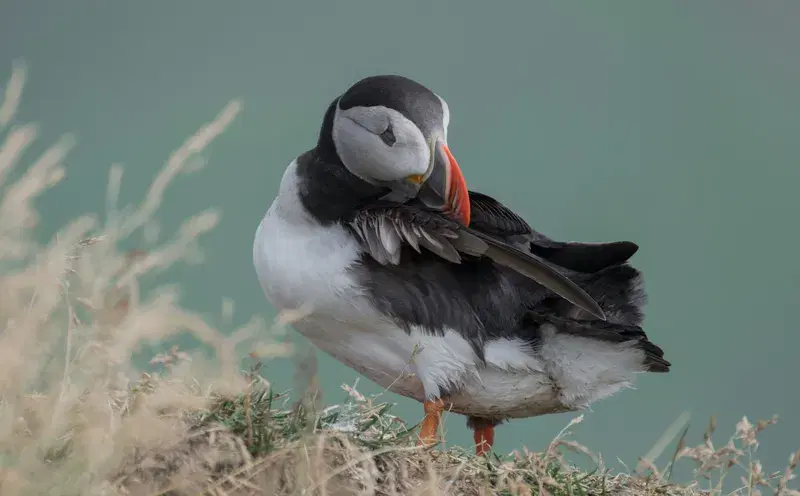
(673, 124)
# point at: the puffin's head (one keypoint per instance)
(391, 131)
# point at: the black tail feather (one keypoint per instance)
(619, 290)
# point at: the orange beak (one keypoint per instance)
(445, 189)
(457, 194)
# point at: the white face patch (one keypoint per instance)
(357, 137)
(445, 115)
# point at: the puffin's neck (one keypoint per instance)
(328, 190)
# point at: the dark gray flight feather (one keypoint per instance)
(380, 227)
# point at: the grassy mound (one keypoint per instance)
(76, 418)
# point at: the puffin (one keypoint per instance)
(436, 292)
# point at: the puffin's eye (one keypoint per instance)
(388, 136)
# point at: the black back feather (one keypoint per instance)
(492, 217)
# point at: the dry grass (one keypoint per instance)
(76, 418)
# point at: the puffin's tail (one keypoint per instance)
(608, 332)
(619, 290)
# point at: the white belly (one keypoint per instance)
(304, 265)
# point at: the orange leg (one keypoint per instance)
(484, 439)
(429, 431)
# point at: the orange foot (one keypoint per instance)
(428, 433)
(484, 440)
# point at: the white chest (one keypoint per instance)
(305, 266)
(299, 262)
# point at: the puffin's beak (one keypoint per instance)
(445, 188)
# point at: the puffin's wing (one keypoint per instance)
(492, 217)
(384, 230)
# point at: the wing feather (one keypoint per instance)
(449, 240)
(495, 219)
(390, 241)
(410, 235)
